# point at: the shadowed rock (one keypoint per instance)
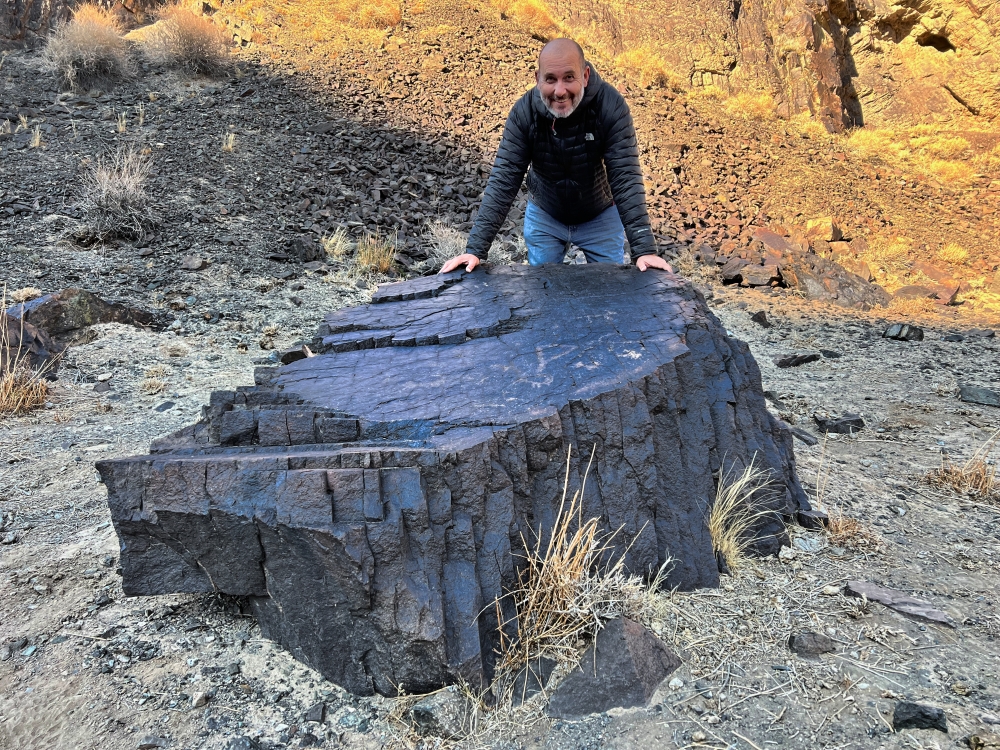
(373, 500)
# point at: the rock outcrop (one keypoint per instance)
(372, 500)
(829, 58)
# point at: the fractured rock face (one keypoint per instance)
(372, 500)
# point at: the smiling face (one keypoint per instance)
(562, 76)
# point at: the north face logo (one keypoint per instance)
(588, 137)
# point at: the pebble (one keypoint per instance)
(199, 699)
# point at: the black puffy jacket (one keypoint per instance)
(580, 165)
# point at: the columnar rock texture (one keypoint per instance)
(372, 501)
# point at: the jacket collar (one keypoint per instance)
(589, 94)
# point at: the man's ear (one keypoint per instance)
(586, 74)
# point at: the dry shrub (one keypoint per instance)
(751, 106)
(337, 245)
(378, 14)
(21, 387)
(445, 242)
(844, 531)
(913, 306)
(954, 254)
(976, 476)
(375, 253)
(732, 517)
(535, 14)
(115, 197)
(25, 294)
(152, 386)
(188, 40)
(565, 592)
(648, 67)
(88, 50)
(926, 150)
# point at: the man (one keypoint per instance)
(584, 184)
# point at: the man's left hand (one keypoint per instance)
(652, 261)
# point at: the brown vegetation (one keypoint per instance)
(88, 50)
(732, 516)
(187, 40)
(21, 387)
(977, 476)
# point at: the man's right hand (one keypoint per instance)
(468, 260)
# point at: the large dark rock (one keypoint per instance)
(372, 500)
(623, 668)
(65, 314)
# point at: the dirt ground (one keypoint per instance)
(82, 666)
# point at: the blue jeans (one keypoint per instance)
(602, 239)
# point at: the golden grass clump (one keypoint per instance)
(732, 516)
(375, 253)
(25, 294)
(976, 476)
(920, 149)
(188, 40)
(952, 253)
(844, 531)
(22, 388)
(535, 14)
(337, 245)
(751, 106)
(648, 67)
(378, 14)
(115, 198)
(88, 50)
(565, 592)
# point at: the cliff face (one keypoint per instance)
(846, 62)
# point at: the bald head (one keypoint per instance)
(561, 49)
(562, 76)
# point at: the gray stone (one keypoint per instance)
(974, 394)
(903, 332)
(532, 679)
(909, 715)
(847, 424)
(315, 712)
(28, 346)
(897, 600)
(446, 713)
(811, 644)
(151, 741)
(621, 669)
(370, 514)
(796, 360)
(64, 314)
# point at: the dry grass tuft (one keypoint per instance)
(927, 150)
(188, 40)
(751, 106)
(732, 516)
(25, 294)
(229, 143)
(565, 593)
(648, 67)
(88, 50)
(976, 476)
(844, 531)
(337, 245)
(534, 14)
(445, 242)
(115, 198)
(954, 254)
(375, 253)
(22, 388)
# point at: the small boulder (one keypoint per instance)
(974, 394)
(903, 332)
(305, 250)
(24, 344)
(811, 644)
(446, 714)
(794, 360)
(824, 228)
(315, 712)
(193, 263)
(732, 271)
(909, 715)
(846, 424)
(760, 318)
(150, 742)
(623, 668)
(915, 291)
(64, 314)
